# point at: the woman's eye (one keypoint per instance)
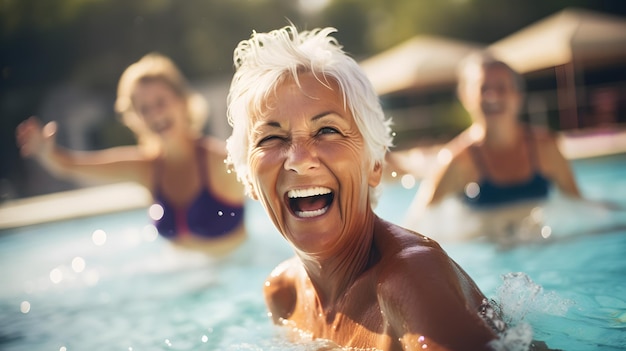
(269, 138)
(327, 130)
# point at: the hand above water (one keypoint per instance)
(33, 139)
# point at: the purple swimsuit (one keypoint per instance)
(206, 216)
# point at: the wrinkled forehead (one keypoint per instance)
(306, 82)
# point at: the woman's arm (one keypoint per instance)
(556, 166)
(110, 165)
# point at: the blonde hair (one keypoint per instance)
(266, 59)
(156, 67)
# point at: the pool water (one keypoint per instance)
(110, 283)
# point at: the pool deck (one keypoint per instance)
(98, 200)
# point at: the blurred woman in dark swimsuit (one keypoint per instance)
(498, 162)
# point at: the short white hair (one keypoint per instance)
(267, 59)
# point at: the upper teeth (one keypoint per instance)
(308, 192)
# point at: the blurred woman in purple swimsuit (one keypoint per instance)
(202, 202)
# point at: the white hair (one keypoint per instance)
(267, 59)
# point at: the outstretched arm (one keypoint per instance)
(116, 164)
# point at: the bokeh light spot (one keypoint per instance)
(472, 190)
(156, 212)
(149, 233)
(78, 264)
(407, 181)
(99, 237)
(56, 276)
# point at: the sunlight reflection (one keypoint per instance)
(25, 307)
(99, 237)
(78, 264)
(56, 275)
(472, 190)
(155, 212)
(149, 233)
(537, 214)
(91, 277)
(407, 181)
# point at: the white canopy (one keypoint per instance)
(420, 62)
(570, 36)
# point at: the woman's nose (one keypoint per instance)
(301, 158)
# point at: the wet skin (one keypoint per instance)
(356, 279)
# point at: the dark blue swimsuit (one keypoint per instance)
(207, 216)
(491, 194)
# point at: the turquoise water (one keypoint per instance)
(109, 283)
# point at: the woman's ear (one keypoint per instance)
(375, 174)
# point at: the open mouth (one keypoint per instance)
(493, 108)
(310, 202)
(161, 126)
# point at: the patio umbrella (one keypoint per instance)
(570, 36)
(421, 62)
(569, 41)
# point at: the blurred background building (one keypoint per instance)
(61, 61)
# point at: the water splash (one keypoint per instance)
(520, 299)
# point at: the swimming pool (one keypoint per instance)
(110, 283)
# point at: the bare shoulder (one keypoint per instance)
(541, 134)
(418, 278)
(280, 289)
(403, 249)
(407, 254)
(285, 272)
(215, 148)
(545, 140)
(223, 181)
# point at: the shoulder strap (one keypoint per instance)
(479, 161)
(202, 163)
(532, 147)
